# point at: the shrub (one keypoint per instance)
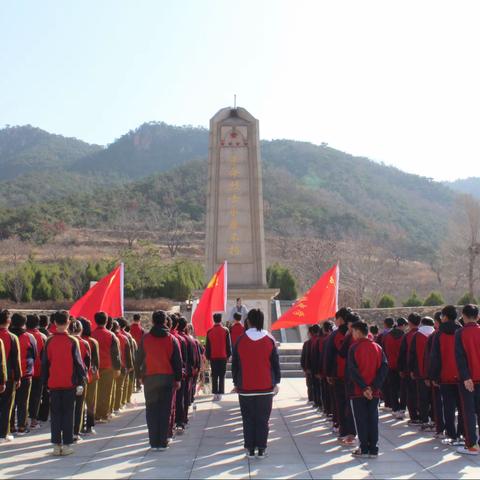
(434, 299)
(387, 301)
(281, 278)
(466, 299)
(413, 301)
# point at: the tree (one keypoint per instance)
(387, 301)
(281, 278)
(128, 221)
(434, 299)
(466, 299)
(413, 301)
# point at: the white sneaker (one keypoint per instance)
(468, 450)
(67, 450)
(219, 397)
(57, 450)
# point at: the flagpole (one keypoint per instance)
(122, 287)
(225, 295)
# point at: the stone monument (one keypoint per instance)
(235, 229)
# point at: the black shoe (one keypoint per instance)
(250, 453)
(262, 453)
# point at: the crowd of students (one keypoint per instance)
(428, 368)
(59, 367)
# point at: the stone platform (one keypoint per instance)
(301, 446)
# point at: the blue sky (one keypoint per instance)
(395, 81)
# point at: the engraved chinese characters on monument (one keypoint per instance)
(235, 202)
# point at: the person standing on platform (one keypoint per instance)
(403, 364)
(64, 374)
(14, 375)
(443, 373)
(237, 329)
(367, 369)
(218, 351)
(240, 309)
(256, 375)
(110, 366)
(92, 377)
(137, 332)
(76, 329)
(36, 392)
(28, 354)
(467, 355)
(160, 366)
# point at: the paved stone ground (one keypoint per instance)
(301, 446)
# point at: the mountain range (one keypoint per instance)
(309, 189)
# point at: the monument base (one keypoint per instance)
(254, 298)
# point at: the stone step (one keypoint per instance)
(285, 374)
(289, 366)
(290, 359)
(289, 351)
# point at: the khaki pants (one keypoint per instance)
(105, 393)
(119, 391)
(91, 403)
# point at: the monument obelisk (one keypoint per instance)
(235, 230)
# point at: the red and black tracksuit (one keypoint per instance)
(14, 375)
(403, 366)
(109, 353)
(397, 387)
(36, 390)
(179, 395)
(437, 404)
(367, 367)
(218, 351)
(385, 388)
(236, 331)
(255, 373)
(126, 360)
(86, 356)
(62, 372)
(319, 373)
(335, 370)
(444, 372)
(192, 364)
(28, 354)
(467, 355)
(416, 365)
(3, 365)
(159, 363)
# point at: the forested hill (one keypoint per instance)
(28, 149)
(308, 189)
(467, 185)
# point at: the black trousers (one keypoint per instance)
(36, 393)
(344, 413)
(309, 382)
(7, 399)
(180, 404)
(451, 403)
(219, 369)
(412, 398)
(366, 420)
(424, 401)
(438, 411)
(158, 404)
(256, 411)
(386, 392)
(20, 407)
(44, 406)
(394, 388)
(317, 396)
(470, 404)
(62, 410)
(326, 398)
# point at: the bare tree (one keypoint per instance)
(471, 212)
(128, 221)
(171, 226)
(13, 251)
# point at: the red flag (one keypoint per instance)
(105, 296)
(319, 303)
(213, 299)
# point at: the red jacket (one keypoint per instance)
(62, 365)
(3, 365)
(255, 365)
(218, 345)
(334, 362)
(12, 353)
(236, 331)
(137, 332)
(404, 355)
(40, 338)
(367, 367)
(93, 371)
(28, 351)
(443, 365)
(391, 346)
(108, 348)
(159, 354)
(417, 356)
(467, 352)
